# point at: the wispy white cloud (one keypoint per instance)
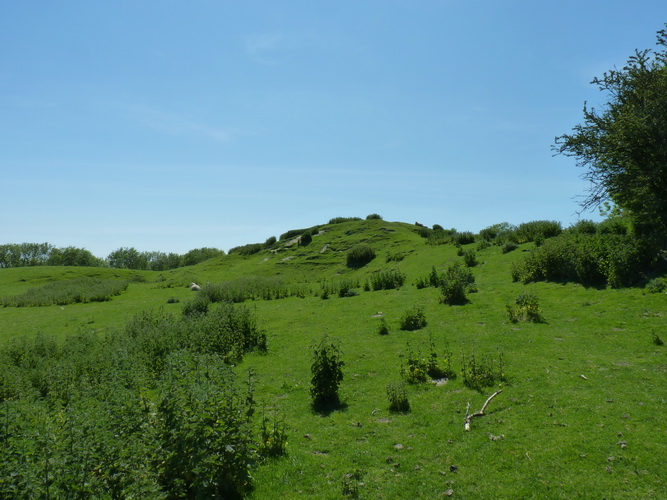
(179, 125)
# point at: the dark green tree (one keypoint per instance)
(624, 146)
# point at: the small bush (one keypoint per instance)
(383, 328)
(270, 242)
(398, 397)
(537, 230)
(346, 288)
(249, 249)
(464, 238)
(327, 371)
(196, 306)
(481, 373)
(583, 227)
(360, 255)
(413, 319)
(273, 439)
(456, 283)
(470, 258)
(419, 368)
(483, 244)
(387, 280)
(526, 308)
(395, 257)
(79, 290)
(509, 246)
(657, 285)
(374, 217)
(340, 220)
(305, 239)
(656, 339)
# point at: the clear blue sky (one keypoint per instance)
(166, 125)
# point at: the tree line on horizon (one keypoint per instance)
(45, 254)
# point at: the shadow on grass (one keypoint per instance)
(326, 406)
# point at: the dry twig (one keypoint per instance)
(479, 413)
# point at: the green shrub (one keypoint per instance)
(90, 417)
(293, 233)
(481, 373)
(617, 260)
(419, 368)
(360, 255)
(413, 319)
(455, 283)
(539, 229)
(249, 249)
(340, 220)
(395, 257)
(270, 242)
(387, 280)
(398, 397)
(327, 371)
(464, 238)
(273, 437)
(374, 217)
(526, 308)
(80, 290)
(305, 239)
(583, 227)
(203, 428)
(198, 305)
(657, 285)
(509, 246)
(483, 244)
(346, 288)
(249, 288)
(656, 339)
(383, 327)
(498, 233)
(470, 258)
(614, 225)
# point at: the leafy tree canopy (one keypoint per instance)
(624, 146)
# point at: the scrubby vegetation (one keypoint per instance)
(597, 259)
(360, 255)
(152, 410)
(200, 394)
(68, 292)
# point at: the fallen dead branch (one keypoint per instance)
(479, 413)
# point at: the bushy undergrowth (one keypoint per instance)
(657, 285)
(327, 371)
(68, 292)
(340, 220)
(413, 319)
(482, 372)
(590, 259)
(398, 397)
(526, 307)
(249, 249)
(419, 368)
(455, 284)
(252, 288)
(149, 411)
(293, 233)
(360, 255)
(387, 280)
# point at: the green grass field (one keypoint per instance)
(582, 408)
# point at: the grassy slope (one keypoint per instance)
(561, 432)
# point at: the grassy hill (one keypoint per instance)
(581, 413)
